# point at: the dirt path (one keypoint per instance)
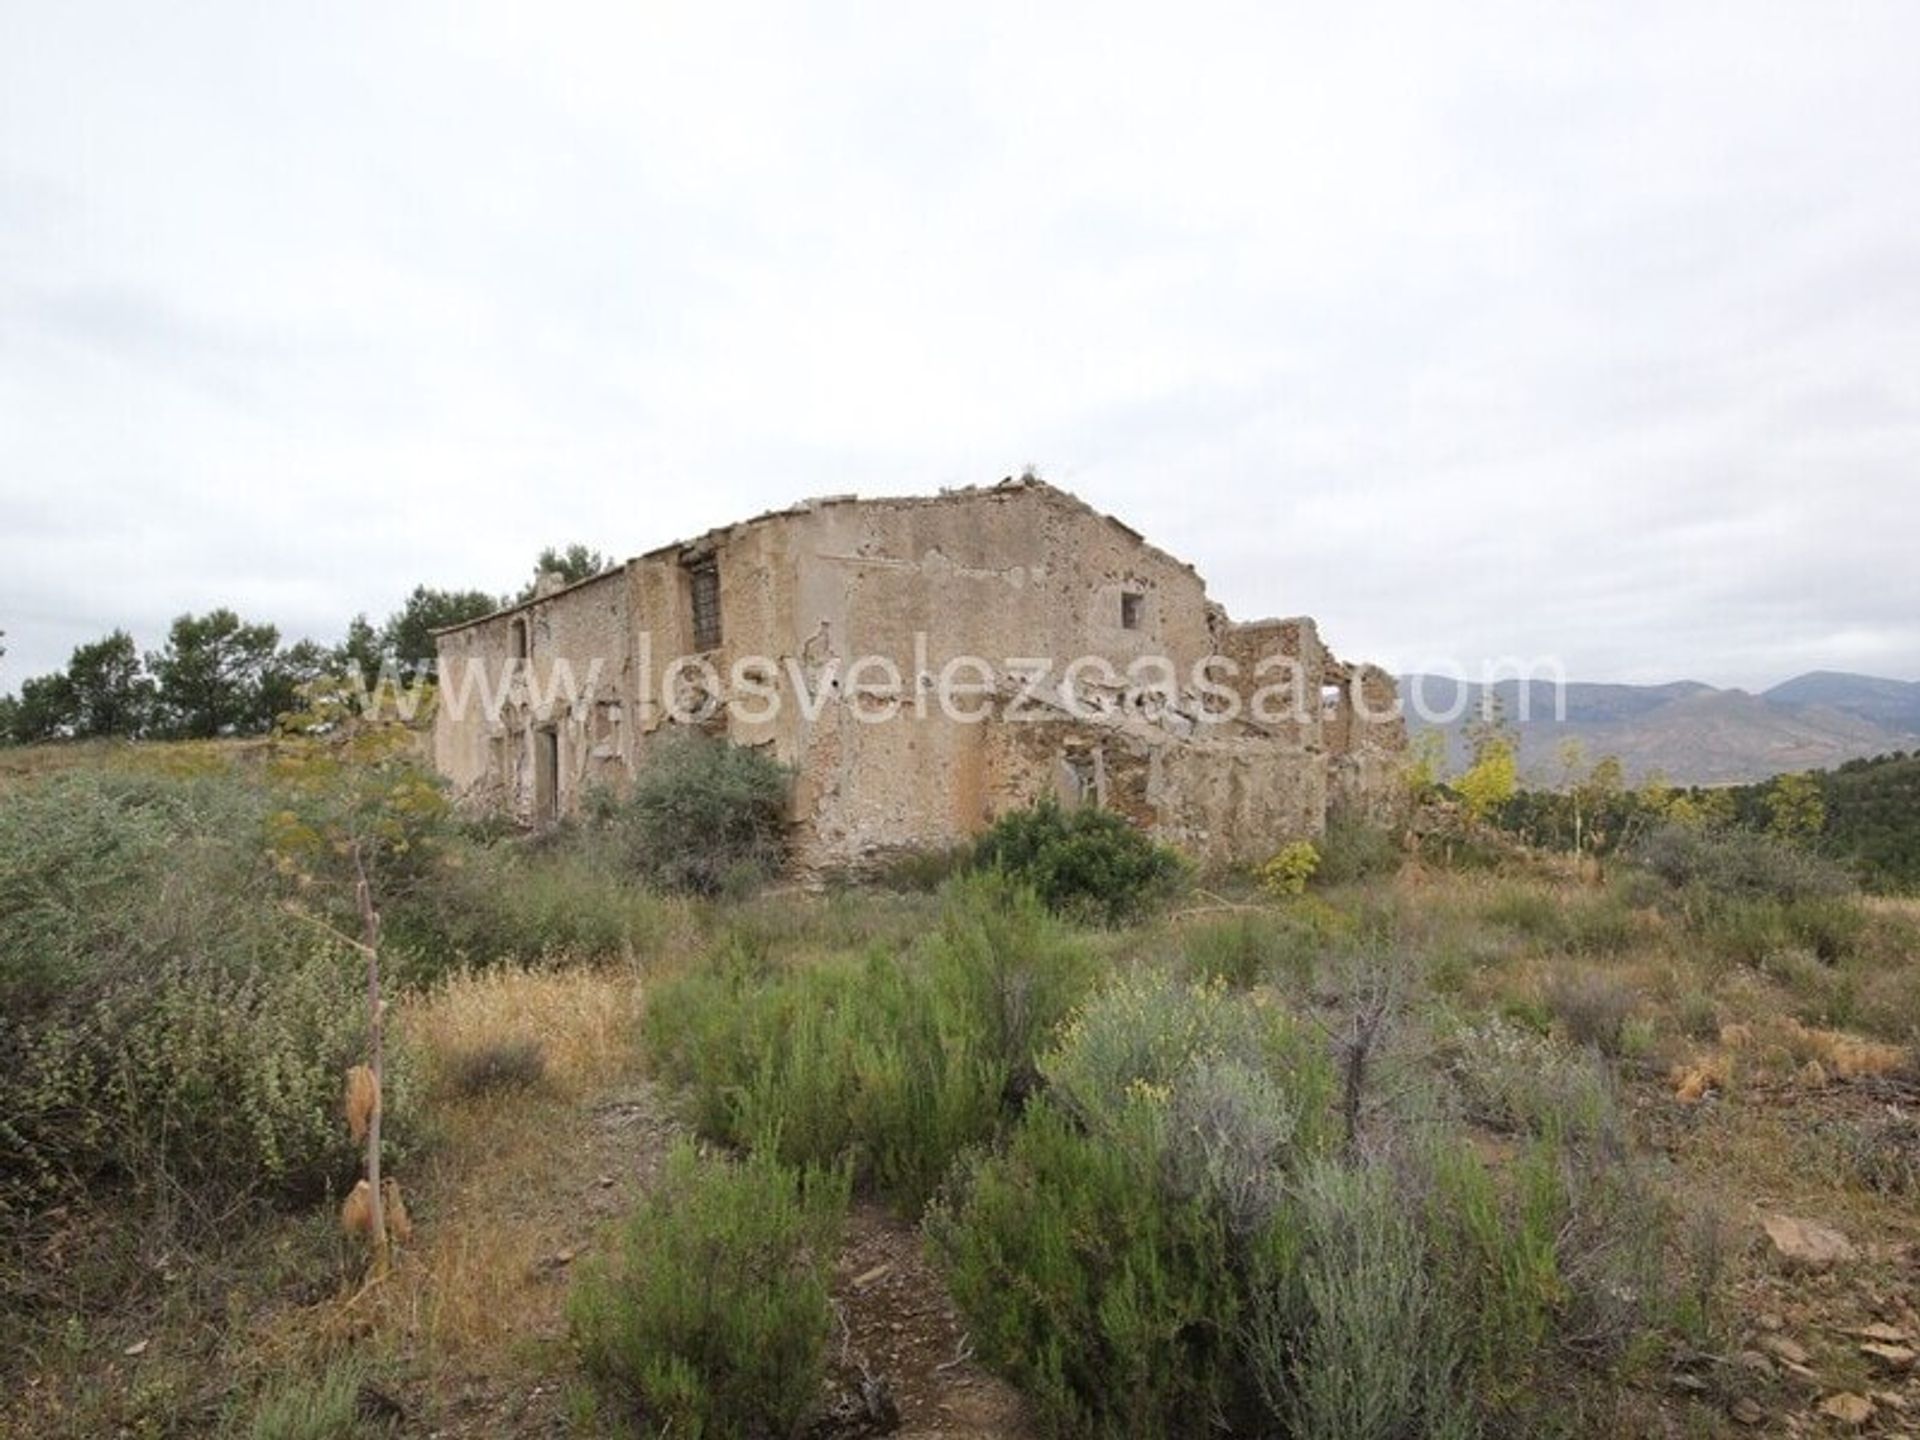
(904, 1341)
(592, 1162)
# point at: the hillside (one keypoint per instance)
(1892, 703)
(1691, 733)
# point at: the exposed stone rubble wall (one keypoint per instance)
(1014, 572)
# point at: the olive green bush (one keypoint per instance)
(170, 1028)
(1738, 862)
(1088, 863)
(892, 1059)
(1174, 1241)
(703, 816)
(1252, 948)
(714, 1321)
(508, 903)
(1353, 850)
(321, 1406)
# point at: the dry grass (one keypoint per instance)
(170, 757)
(582, 1020)
(497, 1200)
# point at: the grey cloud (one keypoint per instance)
(1588, 333)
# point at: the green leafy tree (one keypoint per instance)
(408, 634)
(45, 709)
(575, 563)
(292, 671)
(112, 694)
(1493, 777)
(1490, 782)
(1795, 809)
(216, 675)
(362, 652)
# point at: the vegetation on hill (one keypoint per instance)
(1400, 1150)
(1864, 816)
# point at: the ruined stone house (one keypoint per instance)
(925, 664)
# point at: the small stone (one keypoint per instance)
(1804, 1245)
(1770, 1321)
(563, 1257)
(138, 1347)
(1747, 1411)
(1753, 1360)
(1894, 1357)
(605, 1182)
(1847, 1408)
(1788, 1350)
(1885, 1334)
(878, 1272)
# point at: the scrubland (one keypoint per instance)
(1079, 1143)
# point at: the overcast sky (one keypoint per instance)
(1589, 331)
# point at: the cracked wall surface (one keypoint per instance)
(1010, 573)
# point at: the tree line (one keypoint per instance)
(1864, 814)
(219, 674)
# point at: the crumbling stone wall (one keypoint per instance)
(1015, 572)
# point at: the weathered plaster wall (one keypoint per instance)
(1005, 574)
(489, 753)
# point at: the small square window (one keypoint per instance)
(1133, 606)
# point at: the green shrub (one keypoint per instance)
(1698, 1016)
(1112, 1305)
(1353, 850)
(1000, 958)
(1882, 1152)
(704, 816)
(1101, 1256)
(1830, 926)
(322, 1407)
(1251, 949)
(1602, 924)
(890, 1062)
(1170, 1243)
(519, 1064)
(1234, 1131)
(1145, 1031)
(1289, 869)
(1087, 863)
(716, 1318)
(104, 873)
(923, 870)
(1738, 862)
(224, 1079)
(1348, 1339)
(511, 903)
(1749, 929)
(1516, 1079)
(1593, 1006)
(1534, 913)
(1739, 929)
(170, 1027)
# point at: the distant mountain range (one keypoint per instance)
(1691, 733)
